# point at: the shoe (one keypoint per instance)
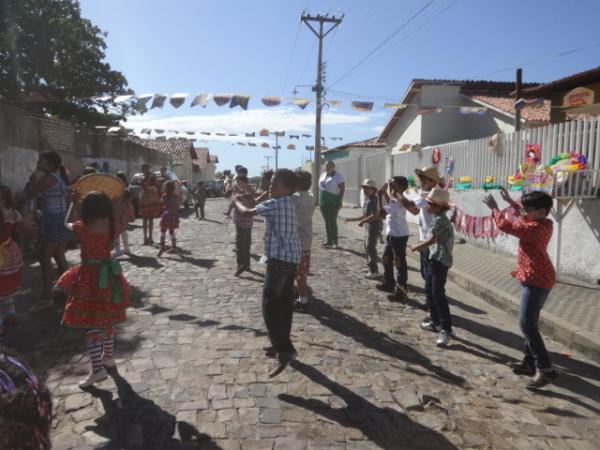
(522, 368)
(110, 363)
(300, 307)
(270, 351)
(428, 325)
(92, 378)
(326, 245)
(385, 287)
(126, 251)
(283, 360)
(542, 379)
(334, 246)
(397, 296)
(443, 338)
(161, 251)
(372, 275)
(239, 271)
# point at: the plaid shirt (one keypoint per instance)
(243, 220)
(283, 240)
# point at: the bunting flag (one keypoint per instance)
(240, 100)
(302, 103)
(472, 110)
(159, 131)
(280, 133)
(334, 103)
(122, 98)
(191, 133)
(220, 134)
(336, 138)
(221, 99)
(143, 100)
(264, 132)
(201, 99)
(394, 105)
(324, 148)
(146, 131)
(232, 134)
(426, 110)
(265, 145)
(178, 99)
(291, 147)
(206, 133)
(173, 131)
(310, 147)
(362, 106)
(114, 129)
(277, 147)
(306, 135)
(104, 99)
(294, 136)
(251, 144)
(251, 134)
(159, 101)
(241, 143)
(270, 100)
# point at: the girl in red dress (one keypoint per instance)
(11, 259)
(98, 292)
(169, 219)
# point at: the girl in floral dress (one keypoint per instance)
(169, 219)
(149, 202)
(98, 292)
(11, 259)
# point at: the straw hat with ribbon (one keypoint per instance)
(370, 184)
(439, 197)
(429, 172)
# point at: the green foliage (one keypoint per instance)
(48, 51)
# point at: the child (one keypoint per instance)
(243, 193)
(283, 250)
(241, 174)
(25, 406)
(394, 253)
(11, 259)
(305, 207)
(200, 195)
(126, 215)
(169, 219)
(372, 220)
(149, 202)
(536, 274)
(98, 292)
(440, 245)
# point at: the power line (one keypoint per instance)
(287, 75)
(385, 41)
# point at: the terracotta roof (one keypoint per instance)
(175, 148)
(214, 159)
(564, 84)
(367, 143)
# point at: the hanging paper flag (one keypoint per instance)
(310, 147)
(232, 134)
(159, 131)
(222, 99)
(294, 136)
(114, 129)
(301, 102)
(395, 105)
(206, 133)
(220, 134)
(291, 147)
(173, 131)
(128, 130)
(241, 143)
(280, 133)
(159, 101)
(240, 100)
(270, 100)
(306, 135)
(178, 99)
(426, 110)
(520, 104)
(334, 103)
(362, 106)
(201, 99)
(251, 144)
(191, 133)
(106, 98)
(265, 145)
(336, 138)
(263, 132)
(472, 110)
(143, 100)
(123, 98)
(277, 147)
(146, 131)
(251, 134)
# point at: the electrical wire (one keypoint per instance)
(385, 41)
(287, 75)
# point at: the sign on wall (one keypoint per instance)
(579, 96)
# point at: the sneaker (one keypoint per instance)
(372, 275)
(385, 287)
(428, 325)
(110, 363)
(270, 351)
(300, 307)
(239, 271)
(397, 296)
(542, 379)
(93, 378)
(283, 360)
(522, 368)
(326, 244)
(443, 339)
(334, 246)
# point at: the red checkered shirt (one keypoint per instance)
(243, 220)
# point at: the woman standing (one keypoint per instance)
(331, 197)
(149, 202)
(51, 191)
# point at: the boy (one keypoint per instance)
(305, 207)
(283, 250)
(440, 246)
(242, 192)
(200, 195)
(536, 274)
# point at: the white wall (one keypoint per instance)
(16, 165)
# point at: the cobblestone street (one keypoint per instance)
(366, 376)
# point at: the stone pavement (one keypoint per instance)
(191, 372)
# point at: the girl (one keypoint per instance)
(170, 217)
(149, 202)
(11, 259)
(440, 245)
(98, 292)
(51, 190)
(126, 215)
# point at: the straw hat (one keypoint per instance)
(429, 172)
(438, 196)
(369, 184)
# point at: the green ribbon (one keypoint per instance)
(111, 268)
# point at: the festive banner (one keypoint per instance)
(310, 147)
(191, 133)
(122, 98)
(277, 147)
(264, 132)
(265, 145)
(222, 99)
(207, 133)
(302, 103)
(220, 134)
(159, 131)
(362, 106)
(159, 101)
(146, 131)
(240, 100)
(334, 103)
(336, 138)
(291, 147)
(251, 144)
(270, 100)
(143, 100)
(178, 99)
(306, 135)
(251, 134)
(395, 105)
(241, 143)
(201, 99)
(294, 136)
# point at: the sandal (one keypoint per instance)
(40, 306)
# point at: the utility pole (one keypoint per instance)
(518, 107)
(277, 134)
(268, 158)
(320, 32)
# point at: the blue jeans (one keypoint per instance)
(426, 275)
(394, 256)
(532, 301)
(370, 242)
(439, 310)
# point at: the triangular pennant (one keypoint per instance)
(310, 147)
(277, 147)
(143, 100)
(362, 106)
(291, 147)
(241, 143)
(146, 131)
(159, 101)
(220, 134)
(240, 100)
(232, 134)
(251, 134)
(271, 100)
(264, 132)
(265, 145)
(294, 136)
(221, 99)
(200, 99)
(123, 98)
(251, 144)
(302, 103)
(472, 110)
(178, 99)
(159, 131)
(306, 135)
(334, 103)
(394, 105)
(191, 133)
(206, 133)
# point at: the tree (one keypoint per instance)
(52, 61)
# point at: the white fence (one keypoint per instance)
(476, 158)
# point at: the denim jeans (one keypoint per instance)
(278, 303)
(532, 301)
(394, 256)
(371, 237)
(439, 310)
(243, 239)
(426, 275)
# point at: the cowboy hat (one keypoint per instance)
(438, 196)
(429, 172)
(369, 184)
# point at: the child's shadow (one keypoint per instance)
(133, 422)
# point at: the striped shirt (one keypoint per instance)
(282, 241)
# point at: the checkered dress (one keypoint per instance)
(283, 240)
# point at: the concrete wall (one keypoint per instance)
(580, 244)
(407, 130)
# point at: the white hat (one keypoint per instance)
(439, 196)
(370, 184)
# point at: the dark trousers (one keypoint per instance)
(439, 310)
(426, 275)
(532, 301)
(278, 303)
(199, 206)
(243, 239)
(394, 256)
(371, 238)
(330, 213)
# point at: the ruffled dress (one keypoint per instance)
(149, 200)
(169, 220)
(11, 259)
(98, 292)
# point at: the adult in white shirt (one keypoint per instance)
(331, 197)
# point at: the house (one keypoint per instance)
(354, 149)
(204, 164)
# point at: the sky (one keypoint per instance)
(260, 48)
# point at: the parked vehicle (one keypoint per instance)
(135, 188)
(214, 188)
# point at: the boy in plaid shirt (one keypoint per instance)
(283, 250)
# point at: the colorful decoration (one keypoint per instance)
(265, 145)
(464, 182)
(240, 100)
(395, 105)
(539, 181)
(437, 155)
(177, 100)
(264, 132)
(302, 103)
(159, 101)
(426, 110)
(201, 99)
(362, 106)
(291, 147)
(472, 110)
(533, 153)
(449, 165)
(222, 99)
(270, 100)
(478, 226)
